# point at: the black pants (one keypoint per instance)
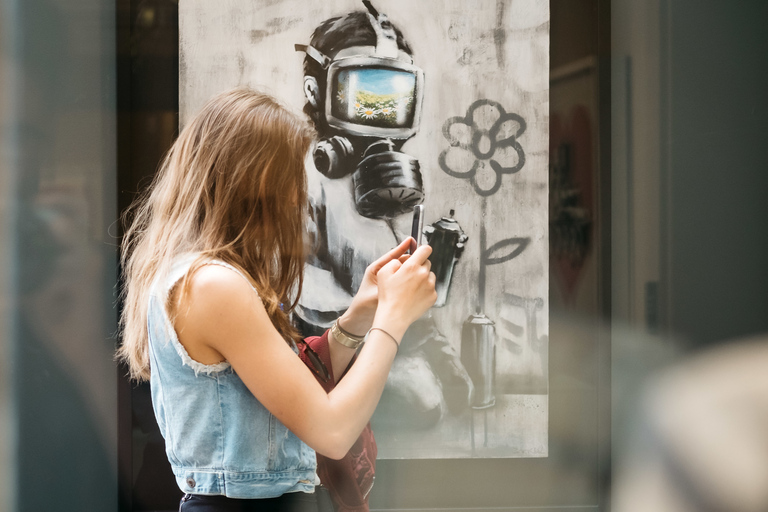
(289, 502)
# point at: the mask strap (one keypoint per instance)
(314, 54)
(386, 39)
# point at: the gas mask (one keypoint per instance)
(370, 107)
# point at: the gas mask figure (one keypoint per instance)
(364, 95)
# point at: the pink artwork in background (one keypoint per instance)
(571, 196)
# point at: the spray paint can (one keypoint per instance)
(478, 355)
(447, 240)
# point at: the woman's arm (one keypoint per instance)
(358, 318)
(221, 318)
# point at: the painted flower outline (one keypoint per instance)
(466, 134)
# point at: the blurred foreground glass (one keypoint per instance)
(697, 441)
(58, 260)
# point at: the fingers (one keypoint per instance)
(406, 286)
(420, 256)
(395, 253)
(399, 250)
(432, 280)
(389, 268)
(405, 257)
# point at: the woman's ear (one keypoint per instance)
(312, 91)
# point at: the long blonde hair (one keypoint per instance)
(232, 187)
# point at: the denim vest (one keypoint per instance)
(219, 439)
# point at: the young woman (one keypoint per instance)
(213, 262)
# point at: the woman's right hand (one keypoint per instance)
(406, 291)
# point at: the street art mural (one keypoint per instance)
(440, 103)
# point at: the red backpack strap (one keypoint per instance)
(319, 345)
(350, 479)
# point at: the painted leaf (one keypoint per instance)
(505, 250)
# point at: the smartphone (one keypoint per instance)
(417, 227)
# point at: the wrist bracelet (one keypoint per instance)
(385, 332)
(345, 338)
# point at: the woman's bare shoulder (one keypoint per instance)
(214, 292)
(216, 286)
(217, 305)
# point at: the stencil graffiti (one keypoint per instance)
(380, 85)
(500, 252)
(364, 93)
(515, 336)
(490, 135)
(364, 96)
(520, 335)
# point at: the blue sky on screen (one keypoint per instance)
(385, 81)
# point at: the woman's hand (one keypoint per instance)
(359, 316)
(406, 290)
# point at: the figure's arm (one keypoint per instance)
(221, 316)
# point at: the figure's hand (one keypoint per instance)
(406, 291)
(359, 317)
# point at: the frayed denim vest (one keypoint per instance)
(219, 439)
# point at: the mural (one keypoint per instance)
(435, 103)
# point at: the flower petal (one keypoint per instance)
(508, 128)
(458, 132)
(486, 181)
(509, 159)
(458, 162)
(484, 114)
(483, 145)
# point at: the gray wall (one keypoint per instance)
(715, 167)
(689, 168)
(689, 214)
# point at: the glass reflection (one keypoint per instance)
(59, 113)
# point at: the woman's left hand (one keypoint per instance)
(359, 317)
